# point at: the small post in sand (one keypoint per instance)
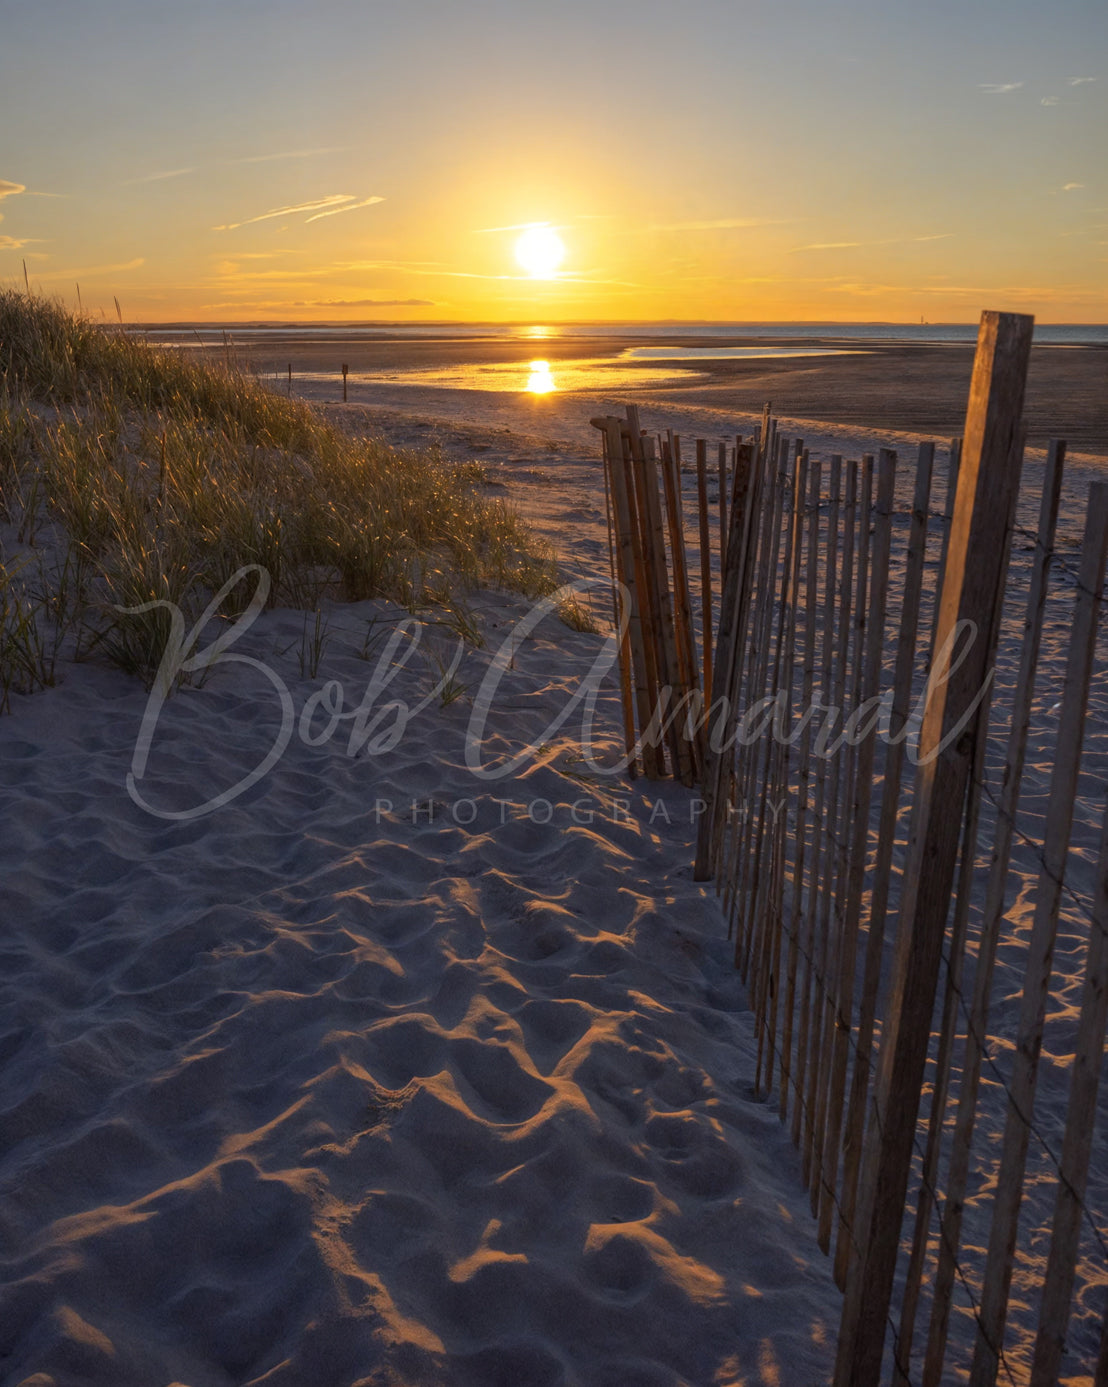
(705, 563)
(345, 368)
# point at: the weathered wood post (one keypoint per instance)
(345, 368)
(953, 719)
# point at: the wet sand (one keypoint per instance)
(911, 388)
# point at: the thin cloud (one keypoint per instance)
(999, 88)
(287, 154)
(350, 207)
(829, 245)
(353, 265)
(517, 226)
(159, 177)
(89, 270)
(887, 241)
(1051, 101)
(257, 254)
(1071, 187)
(228, 271)
(1080, 81)
(332, 200)
(13, 243)
(10, 189)
(721, 224)
(362, 303)
(1030, 293)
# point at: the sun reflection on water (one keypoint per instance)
(539, 380)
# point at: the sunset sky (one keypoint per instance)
(719, 159)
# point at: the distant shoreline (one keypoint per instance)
(1078, 334)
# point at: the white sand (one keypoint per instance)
(302, 1092)
(299, 1093)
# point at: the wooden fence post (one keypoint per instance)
(987, 489)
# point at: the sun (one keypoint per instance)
(540, 250)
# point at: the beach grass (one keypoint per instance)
(148, 476)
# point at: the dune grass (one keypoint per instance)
(150, 476)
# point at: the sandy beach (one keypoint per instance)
(420, 1060)
(379, 1072)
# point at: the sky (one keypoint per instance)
(714, 160)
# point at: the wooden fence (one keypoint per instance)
(863, 773)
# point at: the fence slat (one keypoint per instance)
(620, 614)
(728, 845)
(705, 563)
(1101, 1379)
(777, 779)
(754, 924)
(830, 913)
(803, 777)
(1040, 950)
(691, 725)
(748, 838)
(992, 916)
(815, 971)
(953, 463)
(1077, 1143)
